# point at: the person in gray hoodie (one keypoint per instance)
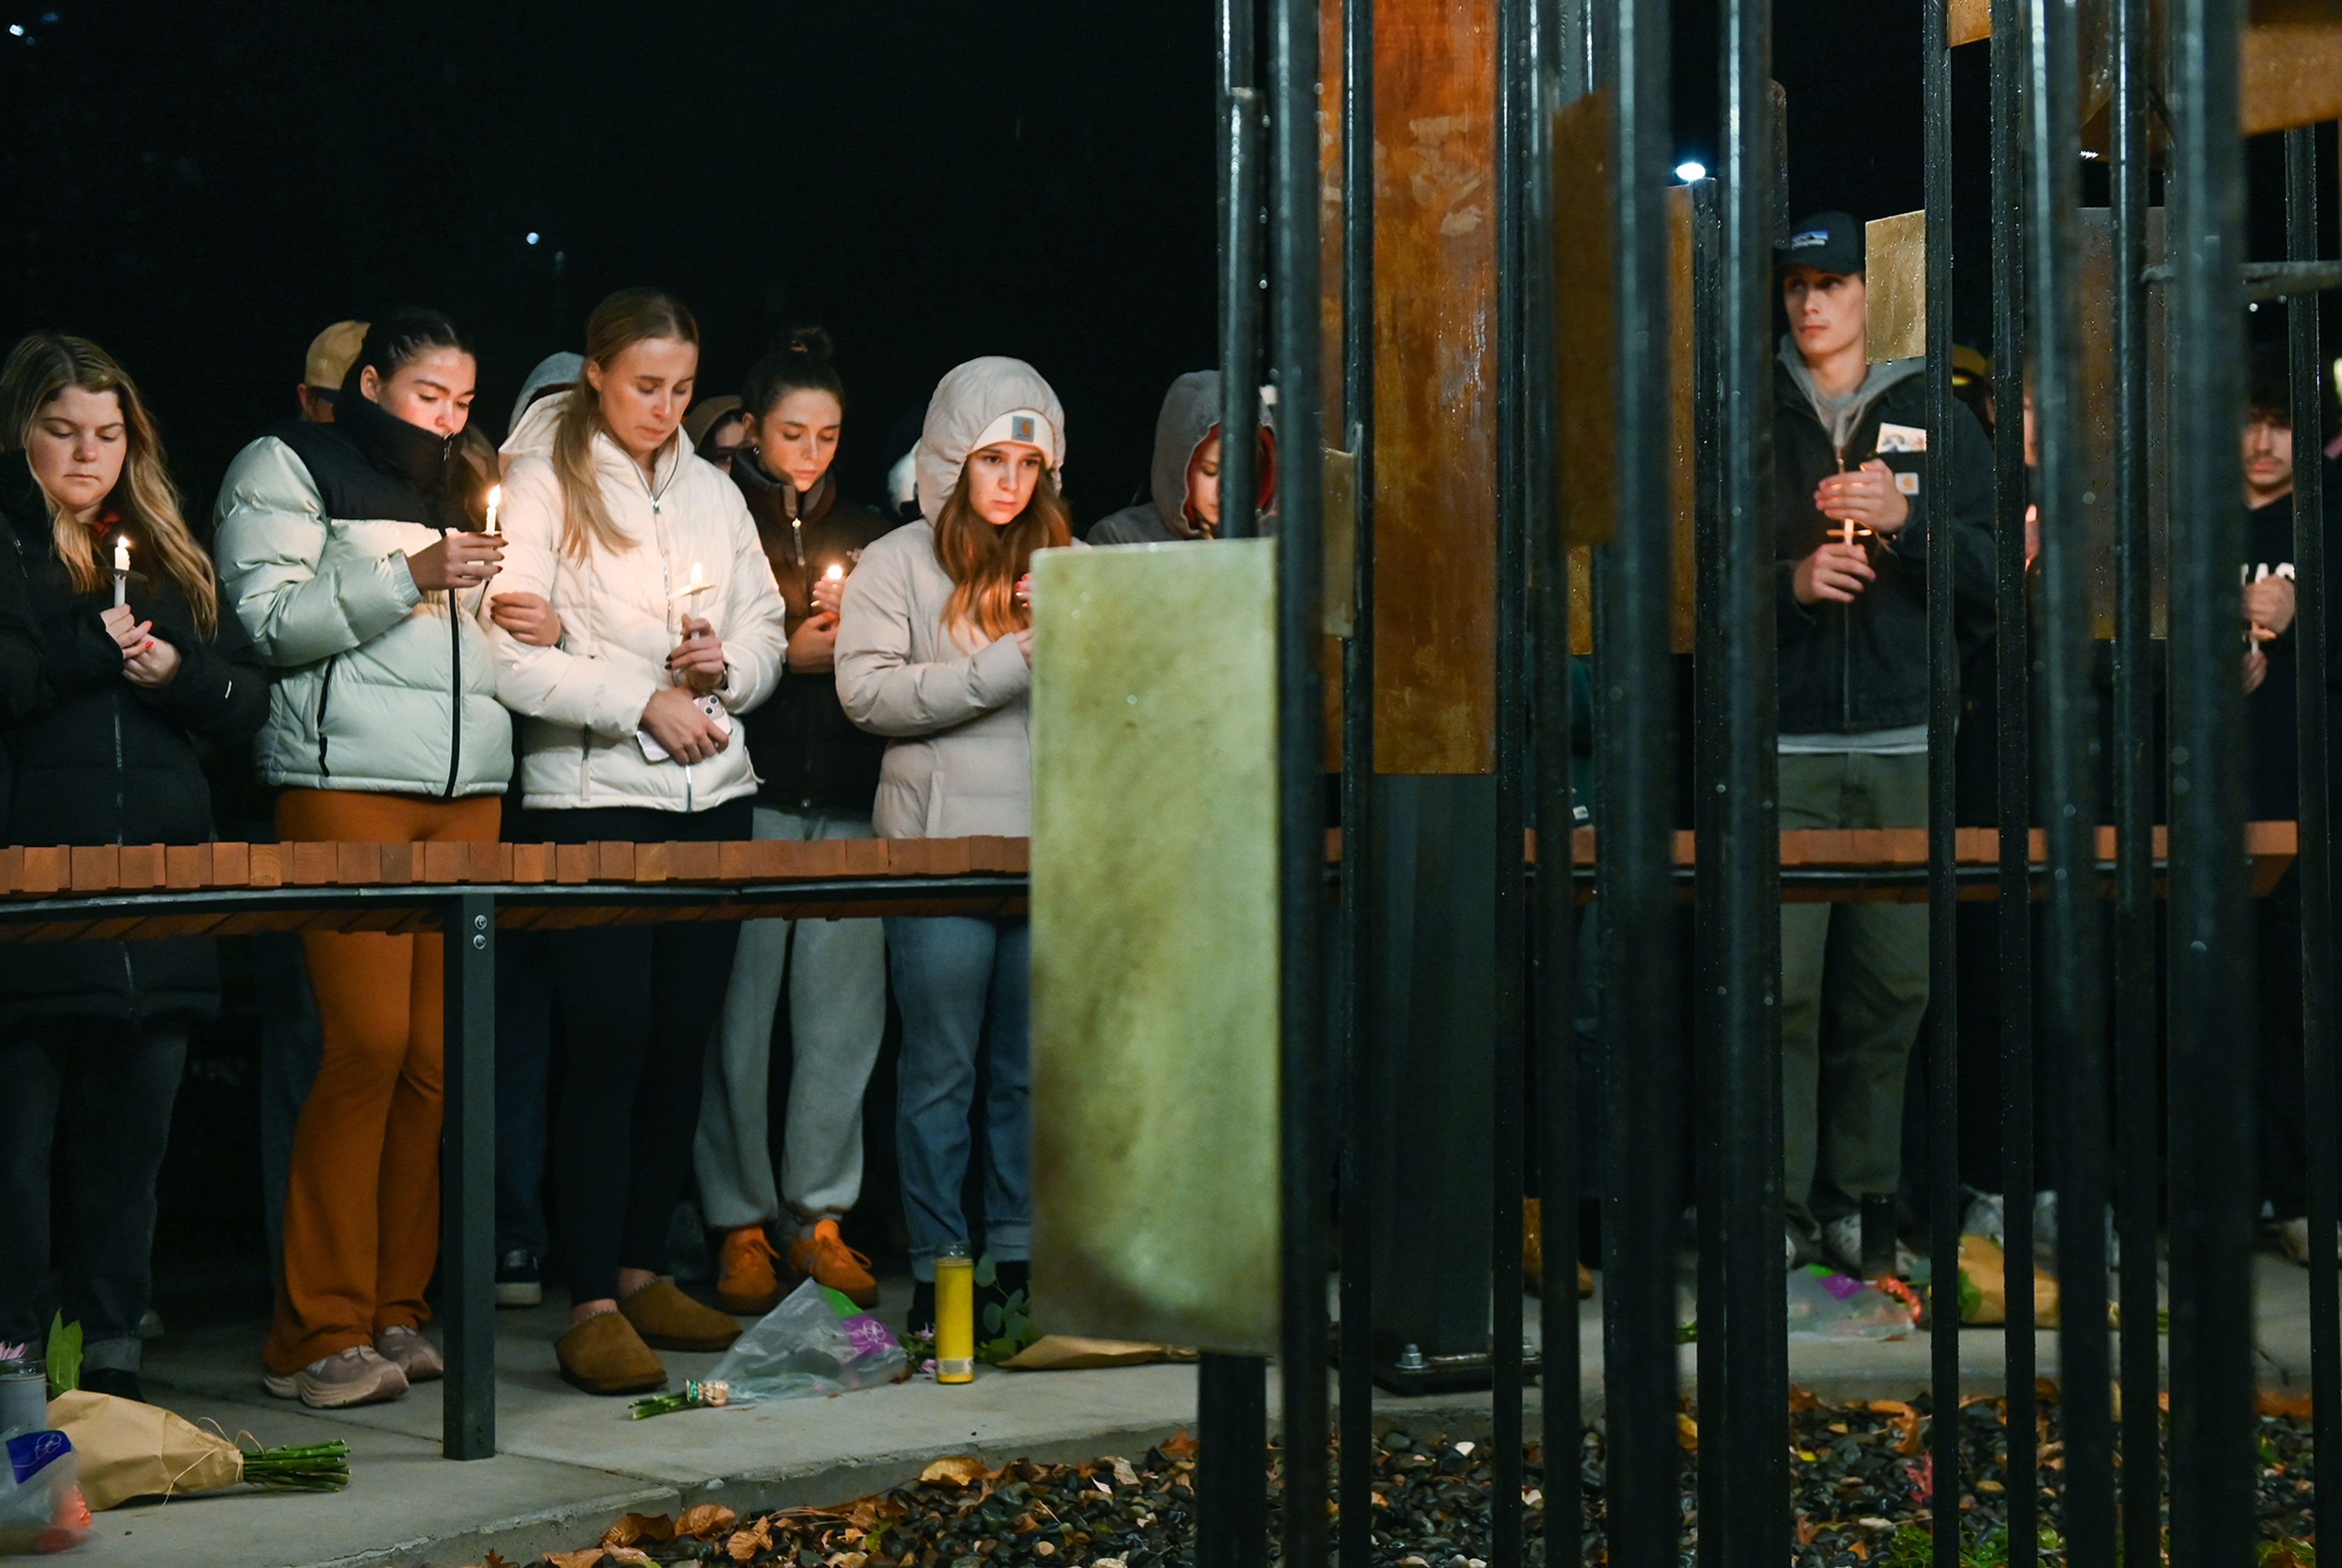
(934, 652)
(1185, 491)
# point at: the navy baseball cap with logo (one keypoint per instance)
(1827, 242)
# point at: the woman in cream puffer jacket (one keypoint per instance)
(671, 628)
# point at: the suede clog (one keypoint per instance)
(604, 1354)
(669, 1320)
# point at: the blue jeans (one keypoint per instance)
(964, 981)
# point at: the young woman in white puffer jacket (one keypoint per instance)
(671, 628)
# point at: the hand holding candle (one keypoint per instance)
(698, 660)
(829, 590)
(1865, 501)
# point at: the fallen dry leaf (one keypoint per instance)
(1686, 1431)
(632, 1556)
(585, 1557)
(959, 1469)
(1807, 1531)
(1907, 1423)
(496, 1559)
(637, 1527)
(1124, 1473)
(706, 1521)
(1803, 1398)
(1180, 1447)
(2270, 1401)
(745, 1543)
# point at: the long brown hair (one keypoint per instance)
(627, 317)
(41, 366)
(985, 562)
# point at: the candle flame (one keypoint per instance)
(833, 574)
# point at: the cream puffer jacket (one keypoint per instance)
(380, 686)
(583, 701)
(956, 706)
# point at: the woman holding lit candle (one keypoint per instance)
(111, 604)
(817, 776)
(934, 652)
(671, 628)
(349, 554)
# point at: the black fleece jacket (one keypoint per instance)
(1846, 669)
(808, 754)
(103, 761)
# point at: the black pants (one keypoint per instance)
(638, 1002)
(105, 1089)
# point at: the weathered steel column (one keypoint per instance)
(468, 1181)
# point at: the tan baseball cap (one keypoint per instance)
(330, 354)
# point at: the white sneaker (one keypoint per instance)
(1987, 1216)
(1842, 1245)
(407, 1350)
(358, 1375)
(2293, 1236)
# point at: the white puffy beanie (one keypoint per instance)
(961, 416)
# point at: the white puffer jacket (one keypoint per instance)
(583, 701)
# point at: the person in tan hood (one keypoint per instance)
(934, 652)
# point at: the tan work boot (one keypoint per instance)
(604, 1354)
(669, 1320)
(826, 1259)
(744, 1279)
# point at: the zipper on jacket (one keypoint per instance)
(325, 695)
(1846, 635)
(454, 655)
(122, 837)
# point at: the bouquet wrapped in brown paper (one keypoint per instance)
(1070, 1352)
(131, 1450)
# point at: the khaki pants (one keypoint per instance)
(1854, 987)
(361, 1204)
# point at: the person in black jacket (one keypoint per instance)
(819, 776)
(135, 676)
(1851, 521)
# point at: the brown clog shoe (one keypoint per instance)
(604, 1354)
(669, 1320)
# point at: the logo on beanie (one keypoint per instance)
(1808, 240)
(1020, 427)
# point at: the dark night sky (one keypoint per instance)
(201, 188)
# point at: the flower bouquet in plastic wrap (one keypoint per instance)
(816, 1342)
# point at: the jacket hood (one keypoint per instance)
(966, 405)
(760, 483)
(1840, 423)
(553, 370)
(1191, 412)
(533, 430)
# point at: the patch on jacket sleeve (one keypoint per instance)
(1907, 483)
(1893, 438)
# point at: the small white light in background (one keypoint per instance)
(533, 237)
(15, 29)
(1691, 169)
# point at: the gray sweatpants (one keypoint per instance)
(1854, 987)
(837, 1015)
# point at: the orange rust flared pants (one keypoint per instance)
(362, 1205)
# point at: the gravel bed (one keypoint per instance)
(1860, 1480)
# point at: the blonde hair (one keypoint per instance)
(41, 366)
(985, 562)
(627, 317)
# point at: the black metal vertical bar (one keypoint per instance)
(1643, 1022)
(1231, 1462)
(467, 1180)
(1559, 50)
(2213, 1465)
(2139, 1077)
(1943, 730)
(1711, 1124)
(2013, 747)
(2074, 1011)
(1361, 974)
(1748, 969)
(1301, 762)
(1513, 86)
(1240, 127)
(1231, 1402)
(2314, 869)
